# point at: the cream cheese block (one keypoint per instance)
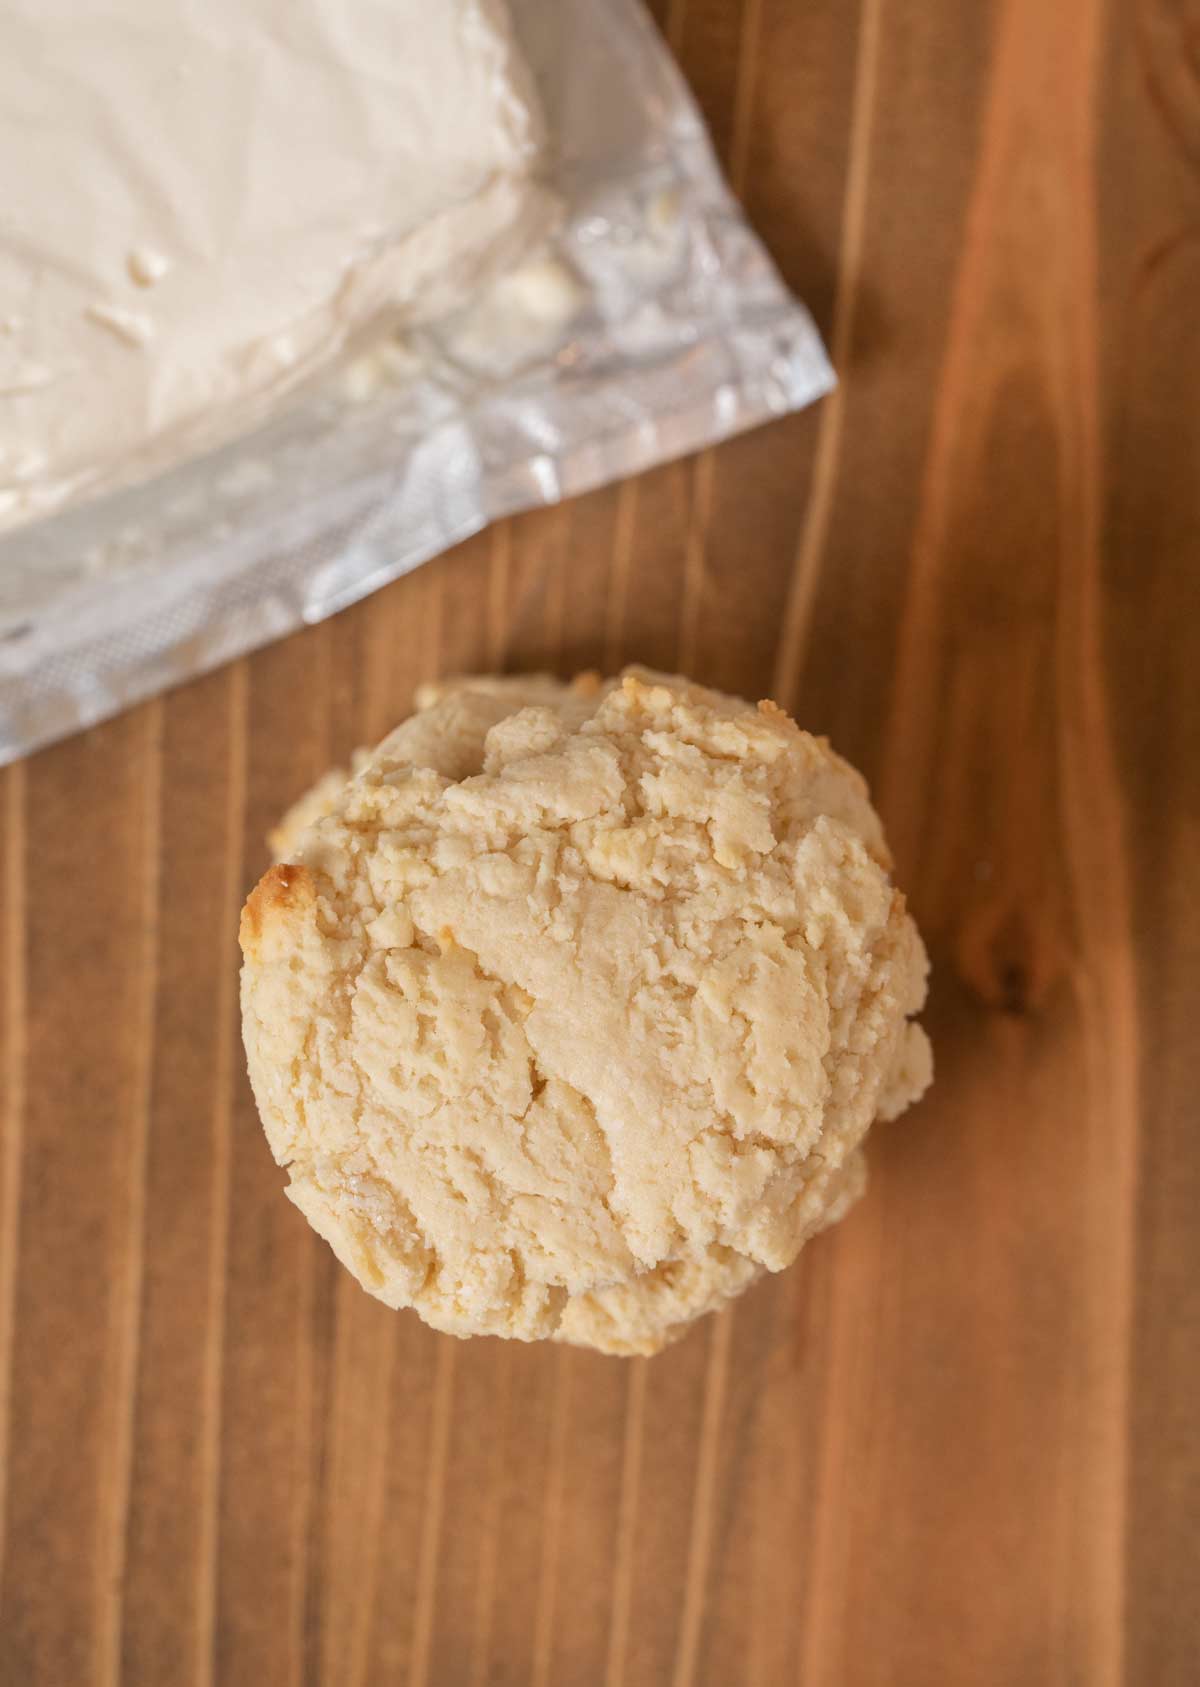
(201, 203)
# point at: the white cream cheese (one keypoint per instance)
(200, 203)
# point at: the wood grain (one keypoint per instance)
(959, 1443)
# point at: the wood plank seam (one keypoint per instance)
(14, 1110)
(704, 468)
(128, 1287)
(485, 1603)
(700, 1543)
(818, 514)
(552, 1510)
(432, 1513)
(627, 1514)
(228, 1074)
(620, 569)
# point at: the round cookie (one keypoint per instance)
(569, 1011)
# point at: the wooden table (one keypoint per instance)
(959, 1442)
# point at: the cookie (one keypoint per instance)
(568, 1013)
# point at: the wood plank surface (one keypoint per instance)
(959, 1443)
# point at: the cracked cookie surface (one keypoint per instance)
(568, 1013)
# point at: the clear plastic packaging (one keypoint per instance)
(652, 324)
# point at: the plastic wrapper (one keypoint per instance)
(651, 324)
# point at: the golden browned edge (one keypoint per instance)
(282, 888)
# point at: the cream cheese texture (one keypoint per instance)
(201, 202)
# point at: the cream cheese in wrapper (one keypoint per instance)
(649, 324)
(213, 198)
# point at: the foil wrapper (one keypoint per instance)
(651, 324)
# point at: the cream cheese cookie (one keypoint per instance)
(569, 1012)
